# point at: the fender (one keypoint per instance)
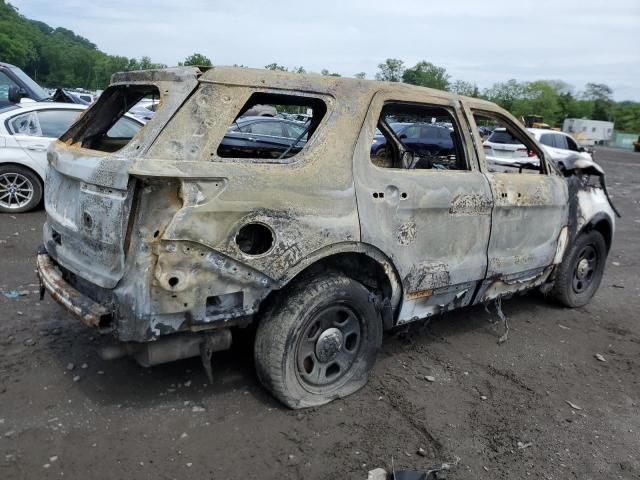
(595, 220)
(350, 247)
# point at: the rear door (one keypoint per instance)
(35, 130)
(429, 213)
(529, 212)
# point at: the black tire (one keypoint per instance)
(579, 275)
(381, 152)
(15, 183)
(300, 358)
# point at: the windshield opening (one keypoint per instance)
(37, 90)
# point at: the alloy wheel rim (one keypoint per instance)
(16, 190)
(328, 347)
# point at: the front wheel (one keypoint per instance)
(581, 271)
(318, 341)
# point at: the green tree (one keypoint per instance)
(391, 70)
(360, 75)
(600, 94)
(464, 88)
(538, 98)
(506, 93)
(626, 116)
(326, 73)
(275, 66)
(197, 59)
(426, 74)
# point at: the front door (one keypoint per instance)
(429, 211)
(529, 212)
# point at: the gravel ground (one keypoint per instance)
(540, 405)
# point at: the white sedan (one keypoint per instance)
(503, 149)
(559, 145)
(26, 130)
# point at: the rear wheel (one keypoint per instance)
(20, 189)
(318, 341)
(580, 273)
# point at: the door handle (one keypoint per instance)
(38, 148)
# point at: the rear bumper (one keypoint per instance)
(89, 312)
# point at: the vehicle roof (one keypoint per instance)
(259, 78)
(44, 105)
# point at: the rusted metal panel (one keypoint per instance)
(529, 213)
(89, 312)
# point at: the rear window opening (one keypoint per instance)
(105, 127)
(272, 126)
(503, 136)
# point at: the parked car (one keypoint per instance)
(26, 130)
(16, 85)
(82, 97)
(420, 138)
(502, 148)
(559, 145)
(171, 242)
(145, 109)
(249, 135)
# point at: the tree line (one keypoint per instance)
(554, 100)
(57, 57)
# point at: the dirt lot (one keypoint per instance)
(495, 411)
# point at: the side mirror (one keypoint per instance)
(15, 94)
(403, 136)
(581, 149)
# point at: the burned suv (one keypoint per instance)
(173, 240)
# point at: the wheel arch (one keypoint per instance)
(602, 224)
(360, 261)
(26, 167)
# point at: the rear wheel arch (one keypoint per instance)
(26, 167)
(361, 262)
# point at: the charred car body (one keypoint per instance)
(169, 241)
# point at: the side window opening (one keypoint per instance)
(25, 124)
(508, 149)
(95, 132)
(547, 139)
(54, 123)
(572, 144)
(418, 137)
(561, 142)
(272, 127)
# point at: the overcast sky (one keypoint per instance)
(488, 41)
